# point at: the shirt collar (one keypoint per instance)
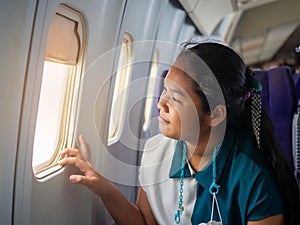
(204, 177)
(176, 164)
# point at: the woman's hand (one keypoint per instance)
(124, 212)
(91, 178)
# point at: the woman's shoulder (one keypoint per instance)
(156, 160)
(157, 140)
(252, 177)
(158, 148)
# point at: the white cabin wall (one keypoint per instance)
(120, 161)
(24, 27)
(55, 200)
(16, 20)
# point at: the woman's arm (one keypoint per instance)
(272, 220)
(143, 204)
(122, 210)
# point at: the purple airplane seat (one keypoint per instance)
(296, 78)
(282, 105)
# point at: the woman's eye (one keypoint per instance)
(163, 92)
(175, 99)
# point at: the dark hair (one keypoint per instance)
(230, 72)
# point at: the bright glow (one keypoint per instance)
(151, 94)
(120, 91)
(50, 111)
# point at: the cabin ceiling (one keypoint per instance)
(261, 30)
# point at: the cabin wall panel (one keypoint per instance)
(14, 47)
(55, 200)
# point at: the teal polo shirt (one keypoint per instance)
(247, 191)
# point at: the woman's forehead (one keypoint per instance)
(178, 77)
(176, 74)
(178, 80)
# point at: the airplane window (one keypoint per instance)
(121, 87)
(59, 91)
(49, 118)
(151, 94)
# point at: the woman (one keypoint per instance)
(216, 160)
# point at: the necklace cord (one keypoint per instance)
(213, 189)
(180, 207)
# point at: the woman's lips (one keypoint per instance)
(163, 120)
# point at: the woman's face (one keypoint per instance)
(181, 115)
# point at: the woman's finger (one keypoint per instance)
(71, 152)
(76, 178)
(81, 140)
(87, 181)
(81, 164)
(84, 148)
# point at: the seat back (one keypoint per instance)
(296, 79)
(279, 100)
(282, 105)
(296, 130)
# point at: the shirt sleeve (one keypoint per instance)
(264, 200)
(156, 161)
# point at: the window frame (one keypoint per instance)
(151, 90)
(118, 112)
(67, 127)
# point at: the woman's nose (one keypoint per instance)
(162, 105)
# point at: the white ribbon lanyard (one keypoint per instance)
(212, 222)
(214, 190)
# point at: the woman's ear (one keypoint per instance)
(218, 115)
